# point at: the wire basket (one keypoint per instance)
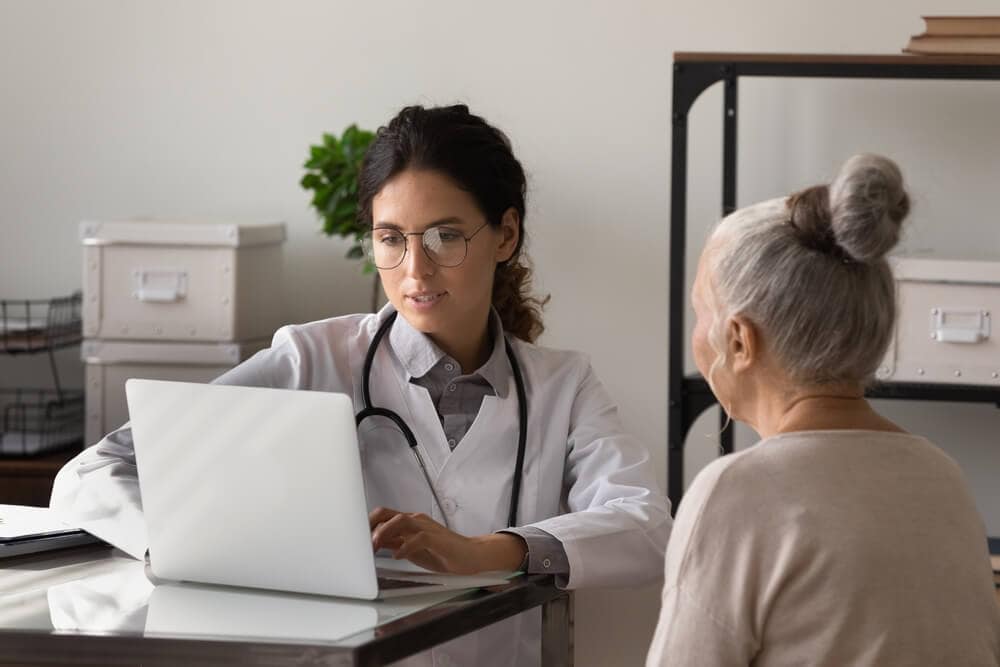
(36, 421)
(34, 325)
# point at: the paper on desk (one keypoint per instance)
(24, 521)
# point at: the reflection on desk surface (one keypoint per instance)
(111, 601)
(25, 583)
(192, 609)
(102, 591)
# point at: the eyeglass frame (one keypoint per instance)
(406, 245)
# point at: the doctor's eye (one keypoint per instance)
(388, 237)
(448, 235)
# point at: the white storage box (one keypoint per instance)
(110, 363)
(945, 331)
(197, 281)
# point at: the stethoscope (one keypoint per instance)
(522, 411)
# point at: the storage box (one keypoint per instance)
(197, 281)
(110, 363)
(944, 332)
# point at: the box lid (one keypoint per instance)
(181, 233)
(103, 351)
(913, 269)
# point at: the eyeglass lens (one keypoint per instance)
(444, 246)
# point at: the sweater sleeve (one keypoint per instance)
(706, 615)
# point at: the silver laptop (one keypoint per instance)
(248, 486)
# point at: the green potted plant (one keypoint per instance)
(332, 175)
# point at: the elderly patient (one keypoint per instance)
(839, 539)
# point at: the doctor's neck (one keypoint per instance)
(469, 347)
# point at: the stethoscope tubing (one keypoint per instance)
(368, 410)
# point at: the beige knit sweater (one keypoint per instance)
(829, 548)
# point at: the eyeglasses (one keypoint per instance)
(445, 246)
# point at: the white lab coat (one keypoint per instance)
(585, 480)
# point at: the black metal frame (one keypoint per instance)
(61, 326)
(689, 396)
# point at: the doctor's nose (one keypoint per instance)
(416, 262)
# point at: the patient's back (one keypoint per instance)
(840, 547)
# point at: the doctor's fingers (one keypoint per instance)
(385, 534)
(380, 515)
(388, 533)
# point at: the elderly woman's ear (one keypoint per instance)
(744, 344)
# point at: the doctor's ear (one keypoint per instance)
(743, 343)
(510, 231)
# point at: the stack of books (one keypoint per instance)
(957, 35)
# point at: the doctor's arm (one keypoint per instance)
(618, 522)
(420, 539)
(98, 490)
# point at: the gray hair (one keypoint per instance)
(809, 270)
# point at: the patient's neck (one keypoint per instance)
(783, 407)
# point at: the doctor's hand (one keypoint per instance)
(422, 540)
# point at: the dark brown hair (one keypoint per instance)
(478, 158)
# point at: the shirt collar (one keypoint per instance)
(497, 370)
(418, 353)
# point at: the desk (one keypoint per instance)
(95, 605)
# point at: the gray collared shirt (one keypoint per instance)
(457, 397)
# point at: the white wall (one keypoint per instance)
(117, 108)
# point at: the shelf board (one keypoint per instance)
(834, 58)
(696, 385)
(45, 463)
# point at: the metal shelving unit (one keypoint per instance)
(34, 421)
(689, 396)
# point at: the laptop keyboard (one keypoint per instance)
(385, 583)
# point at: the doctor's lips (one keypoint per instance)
(425, 299)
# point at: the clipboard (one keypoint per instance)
(27, 530)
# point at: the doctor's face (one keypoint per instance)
(439, 300)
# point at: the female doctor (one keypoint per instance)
(516, 457)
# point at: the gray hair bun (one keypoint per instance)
(867, 206)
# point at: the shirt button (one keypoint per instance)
(452, 387)
(449, 367)
(546, 563)
(449, 506)
(452, 442)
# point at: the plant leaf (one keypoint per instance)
(311, 181)
(332, 174)
(345, 210)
